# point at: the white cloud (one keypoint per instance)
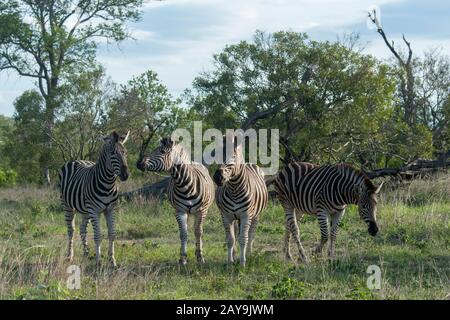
(181, 54)
(141, 35)
(238, 20)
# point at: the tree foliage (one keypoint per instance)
(145, 107)
(328, 101)
(47, 40)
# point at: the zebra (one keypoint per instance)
(241, 197)
(90, 188)
(190, 189)
(324, 191)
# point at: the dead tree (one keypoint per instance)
(406, 75)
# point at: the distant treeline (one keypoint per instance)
(330, 101)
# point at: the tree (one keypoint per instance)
(145, 107)
(24, 141)
(6, 126)
(422, 91)
(48, 39)
(432, 93)
(82, 119)
(405, 73)
(327, 100)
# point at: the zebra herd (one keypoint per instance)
(241, 195)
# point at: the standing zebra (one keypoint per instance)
(90, 188)
(324, 191)
(190, 190)
(241, 196)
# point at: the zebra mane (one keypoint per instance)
(180, 155)
(360, 173)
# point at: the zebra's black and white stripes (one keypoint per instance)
(241, 196)
(324, 191)
(90, 188)
(190, 191)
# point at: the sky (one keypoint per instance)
(177, 38)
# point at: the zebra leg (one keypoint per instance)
(334, 225)
(322, 217)
(243, 238)
(182, 218)
(95, 220)
(83, 234)
(291, 223)
(236, 227)
(251, 234)
(198, 230)
(69, 215)
(109, 215)
(287, 243)
(229, 226)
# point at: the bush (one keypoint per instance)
(288, 288)
(7, 178)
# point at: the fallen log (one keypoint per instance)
(154, 190)
(414, 169)
(409, 171)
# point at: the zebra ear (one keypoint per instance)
(167, 142)
(114, 136)
(238, 141)
(377, 190)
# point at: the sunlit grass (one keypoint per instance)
(412, 250)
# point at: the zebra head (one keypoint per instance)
(232, 159)
(367, 204)
(164, 157)
(117, 154)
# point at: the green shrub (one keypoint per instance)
(288, 288)
(8, 178)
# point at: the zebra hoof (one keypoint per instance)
(302, 260)
(113, 263)
(318, 251)
(182, 261)
(201, 260)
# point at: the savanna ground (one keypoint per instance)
(412, 250)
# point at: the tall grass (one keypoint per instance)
(412, 250)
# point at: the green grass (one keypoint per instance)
(412, 250)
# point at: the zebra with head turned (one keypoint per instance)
(190, 190)
(241, 196)
(90, 188)
(324, 191)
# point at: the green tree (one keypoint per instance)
(48, 39)
(82, 119)
(422, 88)
(24, 142)
(327, 100)
(145, 107)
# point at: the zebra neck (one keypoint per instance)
(238, 181)
(103, 173)
(353, 195)
(180, 175)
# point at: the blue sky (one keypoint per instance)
(177, 38)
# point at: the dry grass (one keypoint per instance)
(412, 250)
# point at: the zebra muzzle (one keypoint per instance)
(124, 174)
(218, 179)
(373, 228)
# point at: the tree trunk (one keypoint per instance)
(49, 123)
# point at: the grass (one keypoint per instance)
(412, 250)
